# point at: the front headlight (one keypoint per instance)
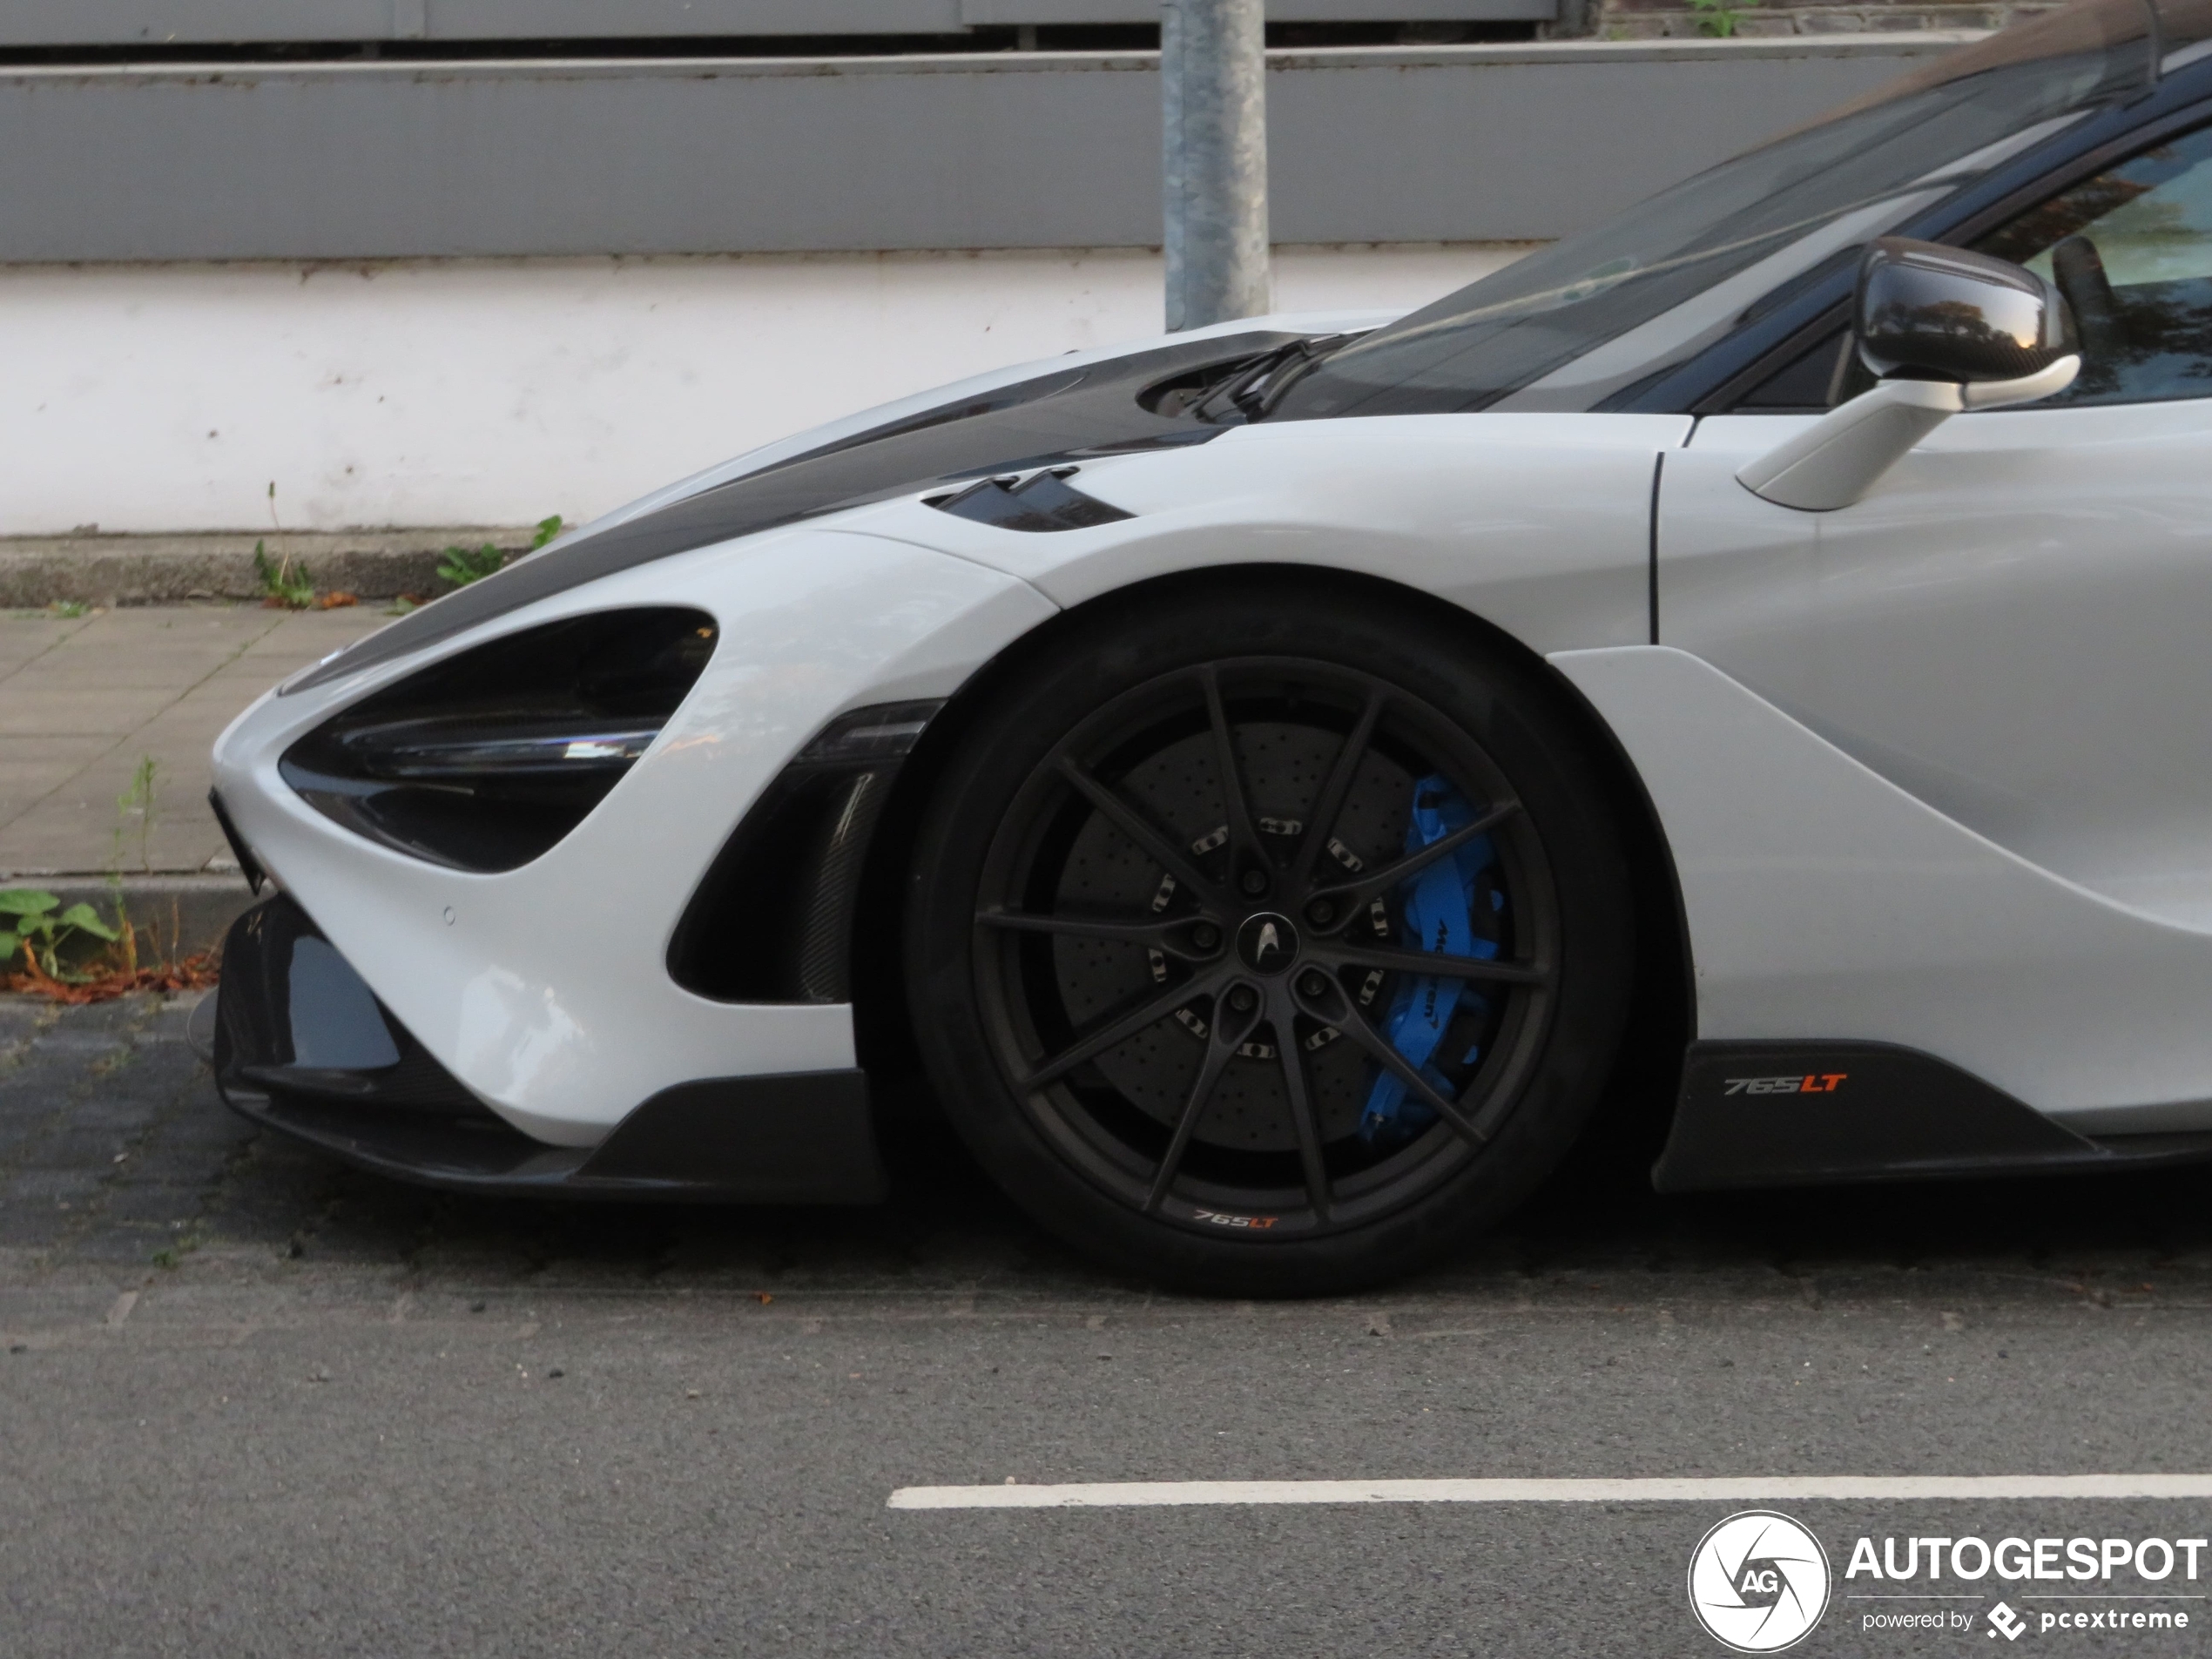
(483, 761)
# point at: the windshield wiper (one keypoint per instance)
(1257, 386)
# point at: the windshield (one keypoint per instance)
(1565, 328)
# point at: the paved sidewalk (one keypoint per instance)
(84, 700)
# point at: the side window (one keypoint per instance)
(2131, 249)
(1806, 384)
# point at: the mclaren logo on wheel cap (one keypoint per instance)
(1267, 943)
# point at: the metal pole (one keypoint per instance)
(1213, 105)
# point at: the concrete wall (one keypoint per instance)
(362, 160)
(71, 23)
(170, 398)
(251, 303)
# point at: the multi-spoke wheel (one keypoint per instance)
(1264, 944)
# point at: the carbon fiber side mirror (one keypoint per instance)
(1947, 331)
(1926, 312)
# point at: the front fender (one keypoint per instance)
(1539, 523)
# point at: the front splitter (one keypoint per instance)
(303, 1047)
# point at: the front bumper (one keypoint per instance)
(545, 991)
(301, 1045)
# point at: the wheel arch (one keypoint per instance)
(1633, 1117)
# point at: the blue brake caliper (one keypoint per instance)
(1439, 905)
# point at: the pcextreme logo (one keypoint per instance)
(1819, 1082)
(1758, 1581)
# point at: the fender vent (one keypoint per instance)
(773, 920)
(1043, 501)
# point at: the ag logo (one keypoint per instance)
(1758, 1583)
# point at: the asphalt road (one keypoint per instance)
(251, 1403)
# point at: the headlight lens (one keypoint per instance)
(451, 751)
(484, 761)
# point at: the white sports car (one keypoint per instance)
(1270, 778)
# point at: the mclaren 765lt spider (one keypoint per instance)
(1268, 780)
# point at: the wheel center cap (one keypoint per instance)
(1267, 943)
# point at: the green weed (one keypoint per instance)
(463, 565)
(284, 585)
(38, 927)
(172, 1256)
(136, 801)
(1718, 18)
(70, 953)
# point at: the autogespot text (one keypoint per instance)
(2147, 1570)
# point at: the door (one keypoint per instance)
(2015, 625)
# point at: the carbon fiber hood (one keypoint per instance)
(1082, 412)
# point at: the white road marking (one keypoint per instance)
(1659, 1490)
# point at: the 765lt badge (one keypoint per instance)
(1820, 1082)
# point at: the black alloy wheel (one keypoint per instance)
(1246, 957)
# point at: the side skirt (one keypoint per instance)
(1803, 1113)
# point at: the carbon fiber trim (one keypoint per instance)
(1802, 1114)
(773, 920)
(1066, 416)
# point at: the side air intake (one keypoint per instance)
(773, 921)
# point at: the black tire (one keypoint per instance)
(1072, 879)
